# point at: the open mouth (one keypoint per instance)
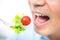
(40, 19)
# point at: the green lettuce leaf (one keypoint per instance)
(17, 26)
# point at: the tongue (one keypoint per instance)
(40, 20)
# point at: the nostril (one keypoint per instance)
(36, 5)
(38, 2)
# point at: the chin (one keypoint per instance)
(44, 32)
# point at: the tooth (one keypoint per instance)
(37, 14)
(43, 15)
(40, 14)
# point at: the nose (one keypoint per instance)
(38, 2)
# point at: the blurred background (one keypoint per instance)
(8, 9)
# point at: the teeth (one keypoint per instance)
(42, 15)
(39, 15)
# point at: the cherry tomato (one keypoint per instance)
(26, 20)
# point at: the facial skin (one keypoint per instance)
(50, 8)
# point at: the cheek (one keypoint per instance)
(54, 5)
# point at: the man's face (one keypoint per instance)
(46, 15)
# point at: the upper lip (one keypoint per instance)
(41, 12)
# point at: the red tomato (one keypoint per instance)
(26, 20)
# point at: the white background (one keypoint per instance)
(9, 8)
